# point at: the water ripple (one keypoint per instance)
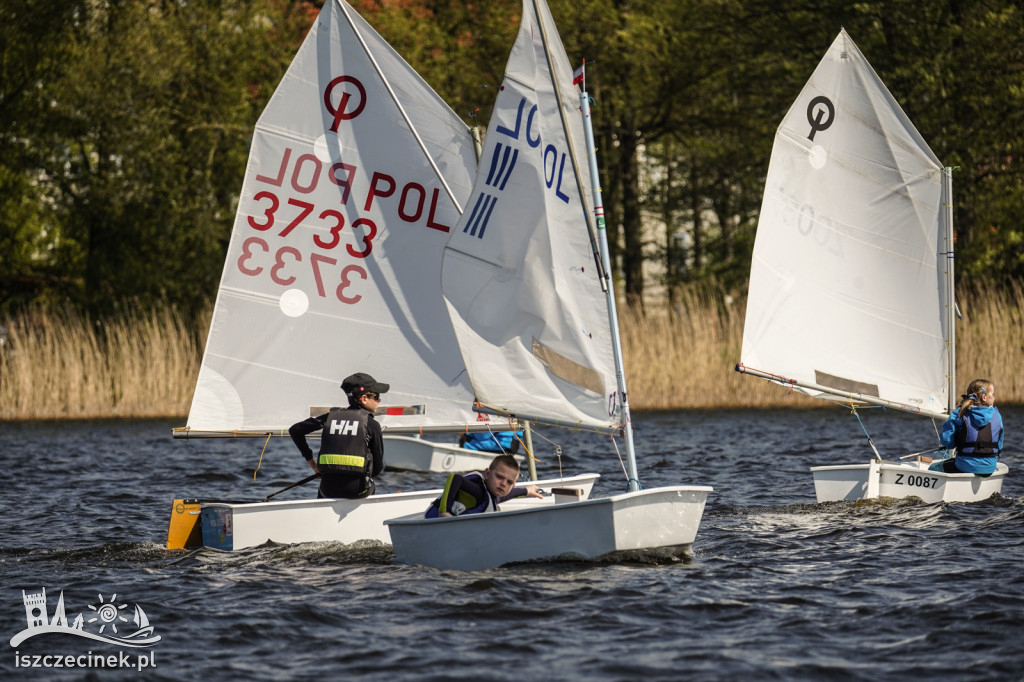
(776, 588)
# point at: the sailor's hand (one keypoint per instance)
(533, 491)
(443, 514)
(312, 465)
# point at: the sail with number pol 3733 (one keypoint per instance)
(851, 282)
(525, 277)
(357, 173)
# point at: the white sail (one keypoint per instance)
(536, 327)
(334, 261)
(846, 291)
(519, 272)
(140, 619)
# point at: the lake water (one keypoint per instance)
(780, 588)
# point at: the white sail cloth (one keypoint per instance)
(846, 290)
(334, 261)
(519, 272)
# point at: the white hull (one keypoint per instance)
(231, 526)
(408, 453)
(902, 479)
(659, 518)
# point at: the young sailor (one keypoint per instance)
(975, 428)
(478, 492)
(351, 444)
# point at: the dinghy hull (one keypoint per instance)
(233, 526)
(408, 453)
(902, 479)
(664, 519)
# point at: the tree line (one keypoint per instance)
(124, 124)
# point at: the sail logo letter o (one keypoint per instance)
(550, 164)
(341, 112)
(403, 202)
(316, 167)
(531, 125)
(820, 118)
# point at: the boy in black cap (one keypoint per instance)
(351, 445)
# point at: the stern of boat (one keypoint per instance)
(900, 480)
(185, 529)
(653, 519)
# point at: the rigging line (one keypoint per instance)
(259, 463)
(922, 452)
(401, 109)
(557, 449)
(618, 454)
(853, 408)
(595, 250)
(512, 424)
(558, 446)
(515, 434)
(629, 479)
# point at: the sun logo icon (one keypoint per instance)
(108, 614)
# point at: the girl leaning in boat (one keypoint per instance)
(975, 428)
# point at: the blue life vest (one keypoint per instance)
(492, 441)
(975, 442)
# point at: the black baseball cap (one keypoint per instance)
(360, 383)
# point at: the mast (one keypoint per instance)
(601, 257)
(950, 293)
(620, 375)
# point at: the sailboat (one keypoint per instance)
(526, 279)
(357, 172)
(851, 284)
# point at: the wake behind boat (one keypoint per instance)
(526, 279)
(357, 172)
(851, 292)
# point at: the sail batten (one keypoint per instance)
(845, 281)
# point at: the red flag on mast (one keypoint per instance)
(577, 75)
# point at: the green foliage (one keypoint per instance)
(124, 124)
(958, 71)
(459, 48)
(134, 144)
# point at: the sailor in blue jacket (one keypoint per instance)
(492, 441)
(975, 428)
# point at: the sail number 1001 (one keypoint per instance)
(919, 481)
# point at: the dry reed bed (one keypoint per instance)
(687, 359)
(59, 365)
(990, 339)
(145, 364)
